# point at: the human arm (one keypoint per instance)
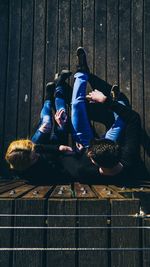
(55, 149)
(131, 143)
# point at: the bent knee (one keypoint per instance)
(45, 127)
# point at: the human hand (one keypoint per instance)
(79, 146)
(66, 149)
(96, 96)
(61, 117)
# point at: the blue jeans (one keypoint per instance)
(82, 132)
(43, 136)
(114, 132)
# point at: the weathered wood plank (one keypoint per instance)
(137, 58)
(88, 30)
(51, 39)
(64, 34)
(144, 197)
(83, 191)
(75, 32)
(125, 238)
(25, 73)
(38, 63)
(12, 71)
(147, 80)
(103, 191)
(38, 192)
(125, 47)
(146, 243)
(6, 207)
(100, 47)
(93, 238)
(100, 39)
(5, 188)
(29, 238)
(6, 182)
(112, 41)
(17, 192)
(61, 238)
(4, 33)
(62, 191)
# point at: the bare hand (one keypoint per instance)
(79, 146)
(67, 149)
(61, 117)
(96, 96)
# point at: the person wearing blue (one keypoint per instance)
(35, 155)
(46, 133)
(82, 131)
(113, 155)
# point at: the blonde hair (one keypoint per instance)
(18, 154)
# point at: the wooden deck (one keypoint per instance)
(39, 38)
(74, 225)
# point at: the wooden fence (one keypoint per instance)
(74, 225)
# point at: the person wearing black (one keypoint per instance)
(112, 156)
(37, 159)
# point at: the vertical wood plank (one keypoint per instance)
(64, 35)
(112, 41)
(6, 207)
(137, 59)
(4, 33)
(29, 238)
(51, 39)
(125, 47)
(61, 238)
(75, 32)
(25, 76)
(147, 79)
(38, 63)
(88, 31)
(93, 238)
(100, 39)
(125, 238)
(146, 243)
(13, 71)
(137, 56)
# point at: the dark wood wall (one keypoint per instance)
(40, 37)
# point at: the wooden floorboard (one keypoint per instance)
(114, 33)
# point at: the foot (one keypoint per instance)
(82, 62)
(50, 88)
(115, 92)
(61, 78)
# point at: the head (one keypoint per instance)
(21, 154)
(105, 154)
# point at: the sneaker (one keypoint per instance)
(115, 92)
(50, 88)
(82, 62)
(61, 78)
